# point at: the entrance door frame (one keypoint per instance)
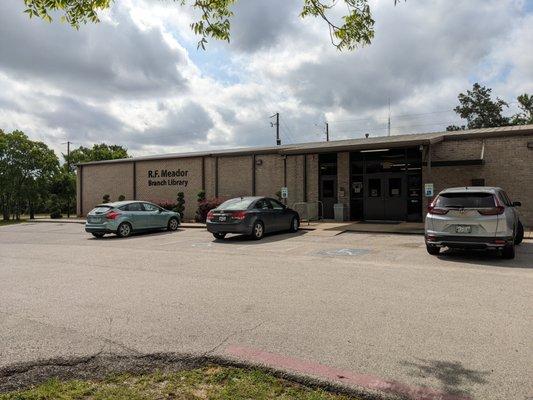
(363, 176)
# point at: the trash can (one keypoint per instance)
(338, 211)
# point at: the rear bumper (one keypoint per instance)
(240, 227)
(100, 228)
(480, 242)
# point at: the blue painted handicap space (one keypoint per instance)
(343, 252)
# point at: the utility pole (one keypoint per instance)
(388, 125)
(276, 124)
(327, 132)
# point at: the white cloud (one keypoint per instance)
(137, 79)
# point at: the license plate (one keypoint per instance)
(463, 229)
(222, 218)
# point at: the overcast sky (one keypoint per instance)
(137, 79)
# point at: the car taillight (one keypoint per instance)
(112, 215)
(239, 215)
(436, 210)
(492, 211)
(498, 210)
(210, 215)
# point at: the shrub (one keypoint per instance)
(200, 196)
(56, 214)
(121, 197)
(167, 205)
(106, 198)
(205, 206)
(180, 203)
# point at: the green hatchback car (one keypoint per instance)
(126, 217)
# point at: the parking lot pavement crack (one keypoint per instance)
(231, 335)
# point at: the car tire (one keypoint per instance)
(258, 230)
(124, 230)
(219, 235)
(98, 235)
(519, 233)
(508, 252)
(173, 224)
(295, 224)
(432, 249)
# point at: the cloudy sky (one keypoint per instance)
(138, 80)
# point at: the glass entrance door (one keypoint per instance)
(328, 191)
(385, 197)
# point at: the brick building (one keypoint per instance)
(375, 178)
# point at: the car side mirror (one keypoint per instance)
(517, 204)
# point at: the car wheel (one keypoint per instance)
(98, 235)
(508, 252)
(219, 235)
(519, 233)
(294, 224)
(432, 249)
(258, 230)
(172, 224)
(124, 230)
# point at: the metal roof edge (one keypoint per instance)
(339, 145)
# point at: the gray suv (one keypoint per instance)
(473, 217)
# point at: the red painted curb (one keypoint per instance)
(365, 381)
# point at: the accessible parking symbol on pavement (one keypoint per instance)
(343, 252)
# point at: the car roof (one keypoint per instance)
(121, 203)
(473, 189)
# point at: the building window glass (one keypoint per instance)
(374, 188)
(395, 187)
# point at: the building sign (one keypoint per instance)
(168, 177)
(284, 192)
(428, 189)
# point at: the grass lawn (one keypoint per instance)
(210, 382)
(11, 222)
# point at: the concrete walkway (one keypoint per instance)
(406, 228)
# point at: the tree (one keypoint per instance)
(355, 27)
(478, 108)
(451, 128)
(525, 103)
(26, 167)
(99, 152)
(180, 203)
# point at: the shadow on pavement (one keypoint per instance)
(452, 376)
(268, 238)
(523, 259)
(112, 236)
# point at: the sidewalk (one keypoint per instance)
(405, 228)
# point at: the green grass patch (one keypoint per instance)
(210, 382)
(11, 222)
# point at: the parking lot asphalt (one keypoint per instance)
(374, 305)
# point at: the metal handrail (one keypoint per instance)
(307, 205)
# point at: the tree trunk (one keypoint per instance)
(31, 210)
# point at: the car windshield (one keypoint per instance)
(101, 209)
(465, 200)
(236, 204)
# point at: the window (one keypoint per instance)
(149, 207)
(328, 188)
(395, 187)
(101, 209)
(465, 200)
(276, 205)
(505, 199)
(374, 187)
(262, 205)
(240, 203)
(132, 207)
